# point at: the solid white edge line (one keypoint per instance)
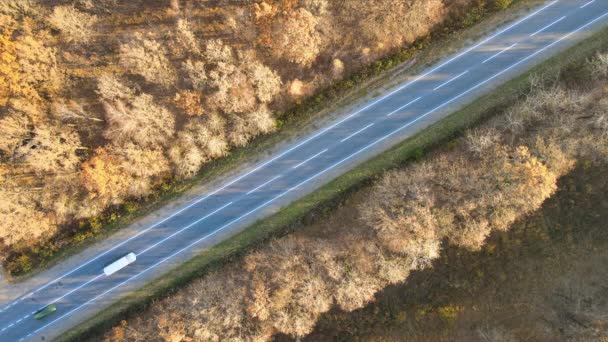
(405, 105)
(261, 185)
(292, 148)
(587, 4)
(450, 81)
(499, 53)
(546, 27)
(357, 132)
(309, 159)
(327, 169)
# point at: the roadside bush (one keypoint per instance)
(502, 4)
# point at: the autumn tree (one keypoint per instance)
(295, 37)
(190, 102)
(201, 140)
(266, 82)
(235, 93)
(337, 68)
(185, 38)
(145, 167)
(140, 120)
(389, 23)
(287, 291)
(14, 130)
(147, 58)
(243, 128)
(20, 217)
(208, 134)
(28, 67)
(195, 73)
(186, 156)
(49, 149)
(110, 88)
(9, 65)
(38, 64)
(316, 7)
(74, 25)
(116, 173)
(218, 52)
(426, 203)
(103, 177)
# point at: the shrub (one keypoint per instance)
(502, 4)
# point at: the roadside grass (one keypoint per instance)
(447, 38)
(322, 201)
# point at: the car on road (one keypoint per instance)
(45, 311)
(119, 264)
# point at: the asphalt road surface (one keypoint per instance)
(305, 165)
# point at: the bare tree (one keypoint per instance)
(196, 74)
(218, 52)
(147, 58)
(235, 93)
(295, 37)
(110, 88)
(20, 217)
(116, 173)
(50, 149)
(185, 38)
(201, 140)
(14, 131)
(266, 82)
(141, 121)
(74, 25)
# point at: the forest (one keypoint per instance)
(403, 221)
(105, 103)
(542, 280)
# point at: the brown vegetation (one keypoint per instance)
(485, 181)
(103, 102)
(543, 280)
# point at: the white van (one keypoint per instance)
(119, 264)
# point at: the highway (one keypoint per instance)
(173, 236)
